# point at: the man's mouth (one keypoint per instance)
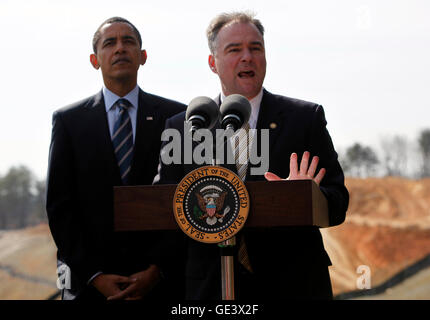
(246, 74)
(121, 60)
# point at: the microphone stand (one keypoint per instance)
(226, 251)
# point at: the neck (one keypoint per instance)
(120, 86)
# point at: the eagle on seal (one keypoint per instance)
(211, 201)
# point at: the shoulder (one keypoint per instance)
(76, 108)
(290, 103)
(165, 105)
(292, 107)
(176, 121)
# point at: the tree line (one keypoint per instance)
(22, 199)
(396, 156)
(22, 195)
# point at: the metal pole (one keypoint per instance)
(227, 262)
(227, 268)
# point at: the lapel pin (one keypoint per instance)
(273, 125)
(149, 118)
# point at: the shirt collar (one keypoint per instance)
(110, 97)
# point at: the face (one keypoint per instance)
(118, 53)
(239, 59)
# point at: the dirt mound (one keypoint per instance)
(394, 202)
(387, 229)
(27, 263)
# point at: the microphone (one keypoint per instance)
(235, 111)
(202, 113)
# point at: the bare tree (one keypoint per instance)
(394, 155)
(424, 145)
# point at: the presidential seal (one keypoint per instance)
(211, 204)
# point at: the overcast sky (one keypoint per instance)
(366, 62)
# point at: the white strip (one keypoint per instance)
(125, 156)
(126, 172)
(123, 141)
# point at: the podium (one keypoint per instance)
(272, 204)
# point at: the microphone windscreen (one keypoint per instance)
(238, 105)
(205, 107)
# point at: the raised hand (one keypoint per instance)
(305, 172)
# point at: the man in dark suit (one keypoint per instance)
(285, 262)
(109, 139)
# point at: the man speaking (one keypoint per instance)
(288, 262)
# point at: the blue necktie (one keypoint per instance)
(122, 140)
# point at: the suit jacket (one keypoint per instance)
(288, 262)
(81, 175)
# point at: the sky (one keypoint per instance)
(366, 62)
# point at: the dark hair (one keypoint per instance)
(225, 18)
(97, 34)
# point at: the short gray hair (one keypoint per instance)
(225, 18)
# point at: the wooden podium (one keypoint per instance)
(272, 203)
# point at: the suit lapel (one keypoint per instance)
(145, 126)
(271, 116)
(98, 124)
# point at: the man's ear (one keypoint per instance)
(143, 57)
(94, 62)
(211, 62)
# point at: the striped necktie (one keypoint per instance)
(122, 140)
(243, 140)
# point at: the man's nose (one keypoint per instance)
(120, 46)
(246, 55)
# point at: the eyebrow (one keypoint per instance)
(259, 43)
(129, 38)
(123, 38)
(238, 44)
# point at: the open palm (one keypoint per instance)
(306, 171)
